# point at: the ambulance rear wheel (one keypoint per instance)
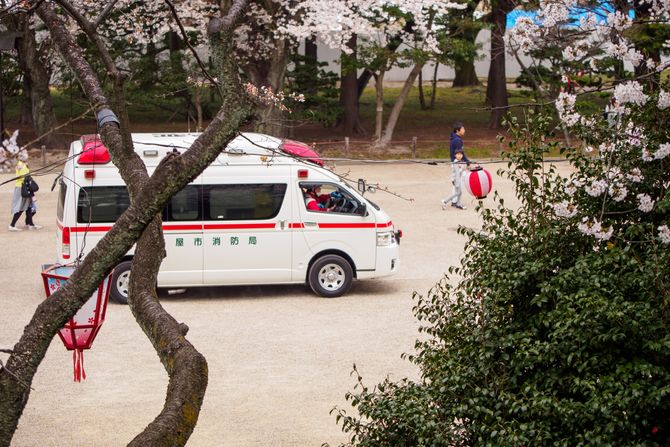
(120, 282)
(330, 276)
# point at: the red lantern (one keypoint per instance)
(80, 330)
(478, 182)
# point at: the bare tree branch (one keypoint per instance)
(104, 14)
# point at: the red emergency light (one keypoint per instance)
(93, 151)
(301, 150)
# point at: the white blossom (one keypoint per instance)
(635, 135)
(630, 93)
(662, 152)
(618, 192)
(618, 21)
(663, 99)
(573, 53)
(635, 175)
(564, 209)
(606, 147)
(595, 229)
(664, 234)
(596, 188)
(646, 204)
(565, 105)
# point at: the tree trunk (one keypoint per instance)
(464, 69)
(465, 75)
(42, 110)
(26, 116)
(397, 107)
(350, 122)
(379, 118)
(433, 92)
(496, 88)
(422, 100)
(270, 72)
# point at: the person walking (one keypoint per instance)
(457, 174)
(457, 142)
(22, 204)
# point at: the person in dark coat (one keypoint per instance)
(457, 142)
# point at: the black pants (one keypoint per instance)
(29, 217)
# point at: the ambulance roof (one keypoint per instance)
(246, 148)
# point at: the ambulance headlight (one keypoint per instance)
(385, 238)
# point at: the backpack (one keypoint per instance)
(29, 187)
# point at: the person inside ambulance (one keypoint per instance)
(315, 201)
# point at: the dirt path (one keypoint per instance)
(279, 357)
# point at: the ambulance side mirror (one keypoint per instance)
(361, 185)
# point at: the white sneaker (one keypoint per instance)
(13, 228)
(34, 227)
(445, 205)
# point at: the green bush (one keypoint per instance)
(550, 337)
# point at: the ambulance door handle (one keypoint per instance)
(310, 224)
(282, 224)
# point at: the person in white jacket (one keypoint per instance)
(458, 171)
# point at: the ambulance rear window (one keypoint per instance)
(62, 193)
(243, 201)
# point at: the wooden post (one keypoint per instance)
(413, 147)
(346, 146)
(44, 155)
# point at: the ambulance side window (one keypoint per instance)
(243, 201)
(101, 204)
(185, 205)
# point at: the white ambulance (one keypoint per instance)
(243, 221)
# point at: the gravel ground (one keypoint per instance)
(279, 357)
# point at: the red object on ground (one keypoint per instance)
(93, 151)
(301, 150)
(80, 330)
(478, 183)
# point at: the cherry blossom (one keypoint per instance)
(564, 209)
(646, 204)
(630, 93)
(664, 234)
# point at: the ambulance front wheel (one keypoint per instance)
(330, 276)
(120, 282)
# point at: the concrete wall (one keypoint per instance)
(331, 56)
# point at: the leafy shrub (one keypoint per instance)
(552, 337)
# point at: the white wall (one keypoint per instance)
(331, 56)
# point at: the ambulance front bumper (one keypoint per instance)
(388, 261)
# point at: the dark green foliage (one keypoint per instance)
(319, 87)
(550, 337)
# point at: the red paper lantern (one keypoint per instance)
(80, 330)
(478, 182)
